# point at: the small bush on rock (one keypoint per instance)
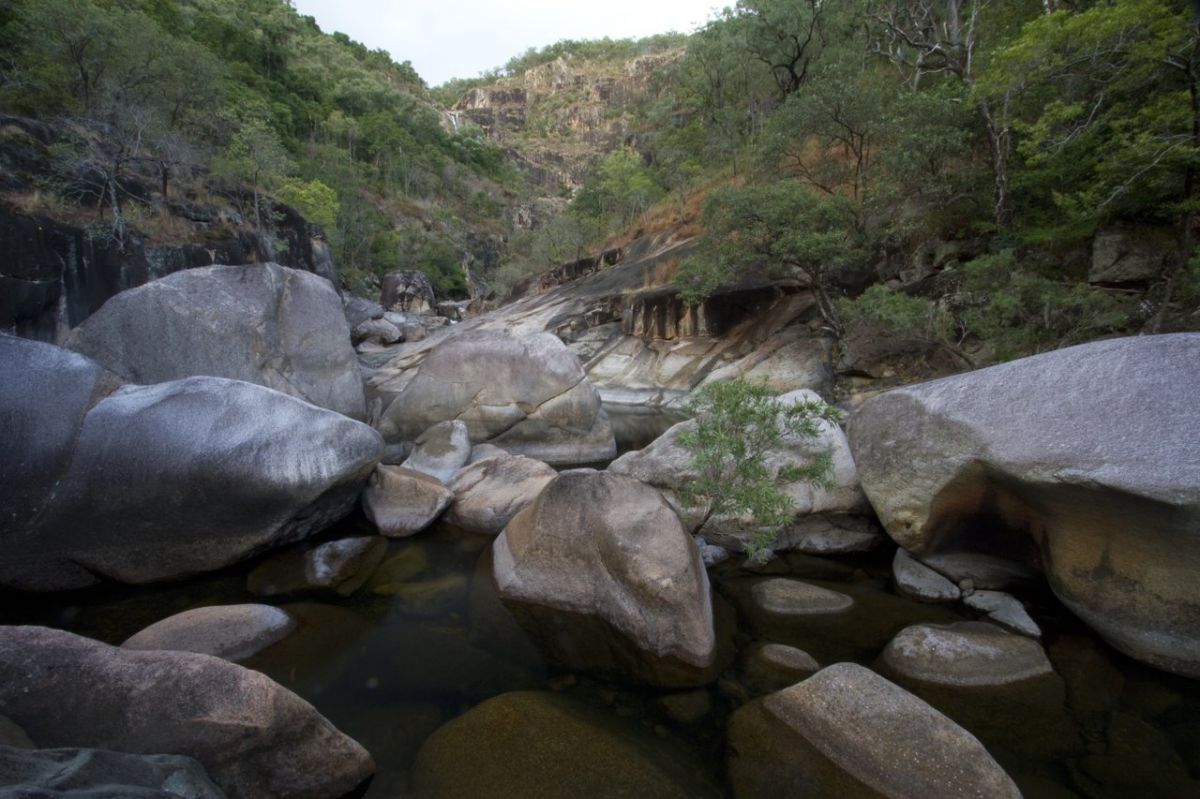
(738, 423)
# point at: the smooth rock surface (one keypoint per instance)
(97, 774)
(440, 451)
(263, 323)
(917, 581)
(127, 491)
(781, 596)
(667, 465)
(254, 738)
(965, 654)
(341, 566)
(543, 745)
(527, 395)
(402, 502)
(603, 576)
(490, 492)
(376, 331)
(1083, 459)
(1005, 610)
(230, 632)
(847, 732)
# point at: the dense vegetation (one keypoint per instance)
(247, 92)
(835, 141)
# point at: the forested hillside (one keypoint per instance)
(160, 101)
(986, 178)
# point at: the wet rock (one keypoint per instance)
(440, 451)
(127, 491)
(848, 732)
(998, 684)
(490, 492)
(399, 568)
(262, 323)
(527, 395)
(686, 708)
(1005, 610)
(97, 774)
(965, 654)
(341, 566)
(540, 744)
(434, 598)
(401, 502)
(789, 598)
(603, 576)
(1082, 459)
(230, 632)
(768, 667)
(667, 465)
(917, 581)
(254, 738)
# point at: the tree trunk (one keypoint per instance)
(999, 141)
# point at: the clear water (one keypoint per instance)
(388, 669)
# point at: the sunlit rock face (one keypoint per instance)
(255, 738)
(527, 395)
(262, 323)
(1084, 462)
(600, 572)
(142, 483)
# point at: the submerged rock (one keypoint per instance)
(1082, 459)
(262, 323)
(786, 598)
(341, 566)
(402, 502)
(848, 732)
(603, 576)
(965, 654)
(490, 492)
(97, 774)
(526, 395)
(153, 482)
(539, 744)
(255, 739)
(768, 667)
(230, 632)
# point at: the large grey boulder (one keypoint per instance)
(230, 632)
(527, 395)
(603, 576)
(253, 737)
(1124, 255)
(490, 492)
(262, 323)
(407, 290)
(98, 774)
(1085, 460)
(667, 465)
(848, 732)
(145, 483)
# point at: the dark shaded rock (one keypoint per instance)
(97, 774)
(847, 732)
(151, 482)
(230, 632)
(254, 738)
(1082, 459)
(409, 291)
(262, 323)
(1125, 255)
(603, 576)
(537, 744)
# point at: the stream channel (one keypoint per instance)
(407, 652)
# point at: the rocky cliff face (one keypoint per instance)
(558, 118)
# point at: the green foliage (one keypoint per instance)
(622, 190)
(896, 314)
(784, 228)
(315, 201)
(737, 424)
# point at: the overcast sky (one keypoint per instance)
(460, 38)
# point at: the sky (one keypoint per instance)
(447, 39)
